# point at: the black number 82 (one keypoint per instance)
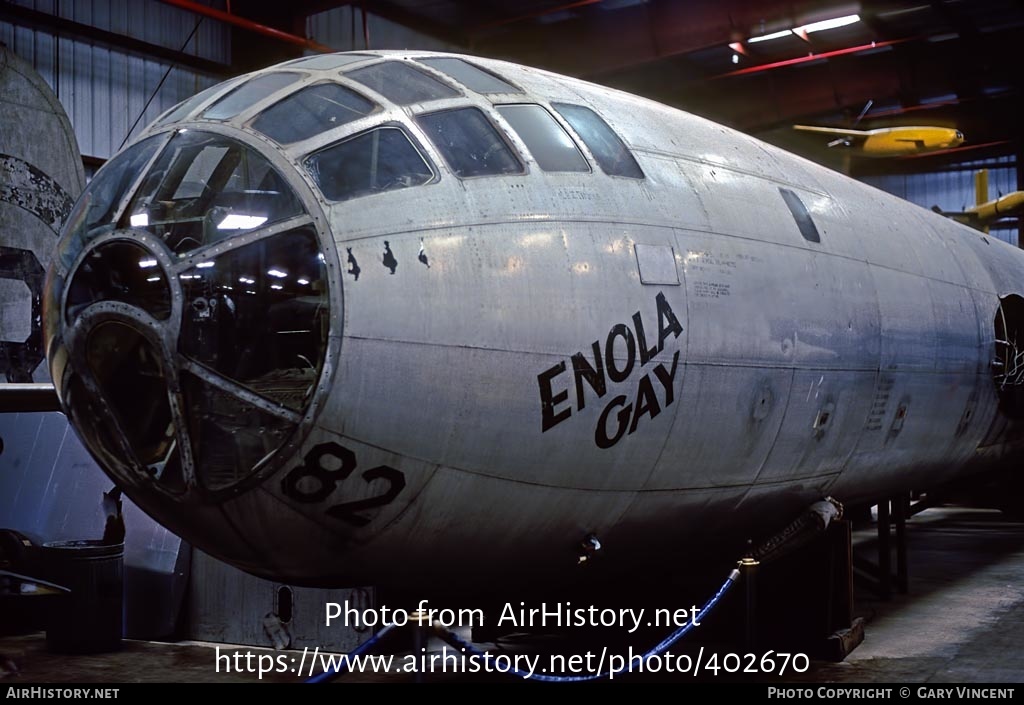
(325, 479)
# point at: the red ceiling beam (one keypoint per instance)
(812, 57)
(769, 103)
(233, 19)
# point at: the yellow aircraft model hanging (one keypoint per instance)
(986, 212)
(891, 141)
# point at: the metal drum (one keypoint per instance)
(90, 619)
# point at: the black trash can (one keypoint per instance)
(89, 620)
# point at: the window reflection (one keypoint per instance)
(119, 271)
(205, 187)
(382, 159)
(549, 144)
(187, 106)
(469, 143)
(230, 438)
(311, 111)
(250, 93)
(473, 77)
(95, 211)
(608, 149)
(401, 83)
(325, 62)
(259, 316)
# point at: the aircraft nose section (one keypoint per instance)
(192, 374)
(190, 332)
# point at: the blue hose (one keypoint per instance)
(332, 672)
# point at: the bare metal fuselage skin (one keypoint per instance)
(745, 371)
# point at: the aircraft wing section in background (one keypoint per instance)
(983, 215)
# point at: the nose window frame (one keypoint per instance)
(179, 468)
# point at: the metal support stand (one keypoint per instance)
(846, 632)
(891, 513)
(884, 551)
(748, 568)
(900, 509)
(810, 595)
(420, 636)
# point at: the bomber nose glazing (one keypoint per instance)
(187, 315)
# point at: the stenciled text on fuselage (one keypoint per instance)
(599, 368)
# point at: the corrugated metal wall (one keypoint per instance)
(104, 89)
(953, 189)
(342, 29)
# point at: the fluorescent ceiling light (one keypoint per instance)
(277, 273)
(828, 24)
(276, 286)
(139, 220)
(236, 221)
(304, 282)
(147, 263)
(205, 265)
(773, 35)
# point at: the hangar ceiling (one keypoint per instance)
(944, 62)
(932, 62)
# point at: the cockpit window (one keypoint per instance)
(258, 315)
(401, 83)
(608, 149)
(325, 62)
(382, 159)
(187, 106)
(470, 143)
(249, 93)
(549, 144)
(312, 110)
(205, 187)
(472, 77)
